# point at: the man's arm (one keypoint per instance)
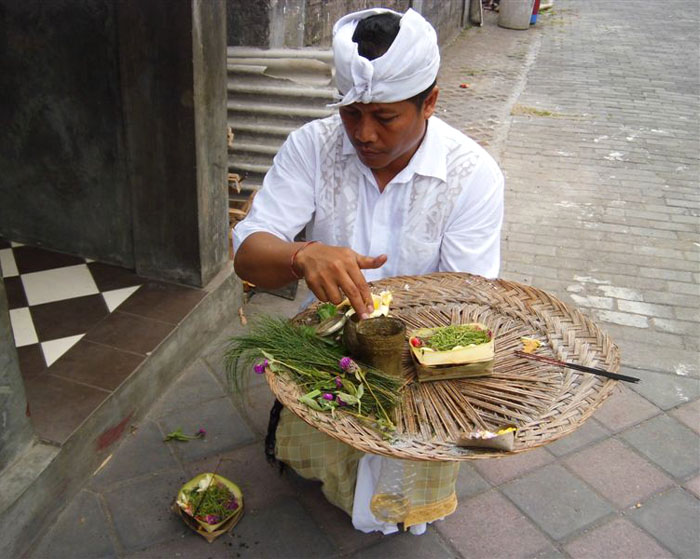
(331, 272)
(263, 242)
(263, 260)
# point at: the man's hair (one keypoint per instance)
(374, 36)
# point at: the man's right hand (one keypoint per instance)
(333, 273)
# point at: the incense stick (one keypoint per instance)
(583, 368)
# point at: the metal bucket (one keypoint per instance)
(515, 14)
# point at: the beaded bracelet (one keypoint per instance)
(294, 257)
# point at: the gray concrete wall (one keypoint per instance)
(445, 15)
(248, 23)
(15, 428)
(321, 15)
(62, 164)
(299, 23)
(210, 117)
(287, 19)
(156, 73)
(114, 123)
(173, 70)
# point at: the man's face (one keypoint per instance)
(386, 135)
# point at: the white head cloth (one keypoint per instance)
(409, 66)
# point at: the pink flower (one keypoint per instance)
(328, 396)
(259, 368)
(211, 519)
(338, 382)
(201, 433)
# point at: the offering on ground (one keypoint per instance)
(210, 504)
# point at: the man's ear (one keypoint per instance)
(430, 102)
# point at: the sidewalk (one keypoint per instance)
(593, 115)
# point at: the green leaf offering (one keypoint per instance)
(326, 311)
(457, 335)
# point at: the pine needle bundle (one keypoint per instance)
(329, 380)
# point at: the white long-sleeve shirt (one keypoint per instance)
(442, 212)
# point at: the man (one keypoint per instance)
(383, 189)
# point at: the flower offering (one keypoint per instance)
(454, 351)
(210, 504)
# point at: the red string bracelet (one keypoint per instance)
(294, 257)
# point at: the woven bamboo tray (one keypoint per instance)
(545, 402)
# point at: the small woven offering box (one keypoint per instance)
(191, 503)
(473, 359)
(543, 402)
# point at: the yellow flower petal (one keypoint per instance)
(530, 344)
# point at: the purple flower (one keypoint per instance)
(201, 433)
(347, 365)
(328, 396)
(338, 382)
(211, 519)
(260, 367)
(341, 403)
(232, 504)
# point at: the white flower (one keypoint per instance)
(204, 483)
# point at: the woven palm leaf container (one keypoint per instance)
(475, 360)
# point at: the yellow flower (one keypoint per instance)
(530, 344)
(381, 303)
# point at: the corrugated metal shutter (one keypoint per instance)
(270, 93)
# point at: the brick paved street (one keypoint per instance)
(594, 117)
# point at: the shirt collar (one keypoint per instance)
(429, 160)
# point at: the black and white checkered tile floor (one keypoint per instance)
(81, 329)
(54, 299)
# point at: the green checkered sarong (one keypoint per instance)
(429, 496)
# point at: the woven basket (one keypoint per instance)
(545, 402)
